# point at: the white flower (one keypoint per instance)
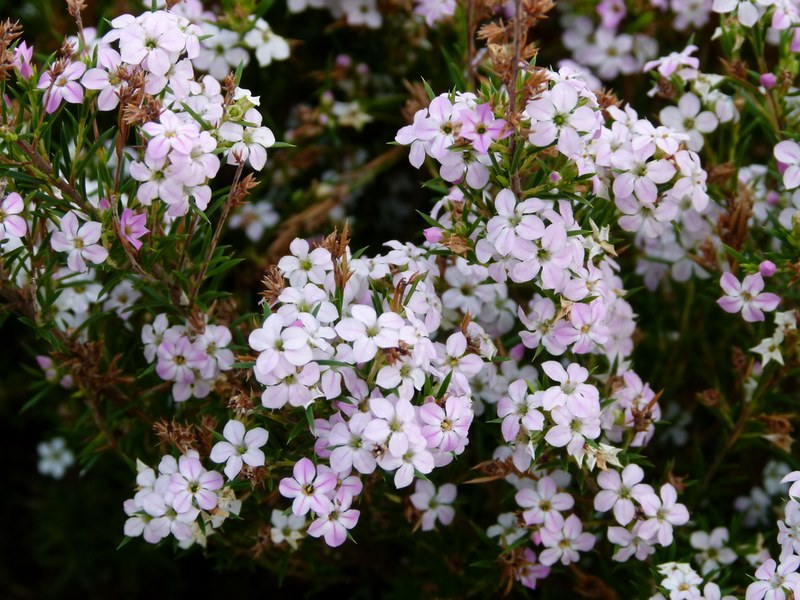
(54, 457)
(239, 448)
(266, 43)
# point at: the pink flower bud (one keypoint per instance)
(767, 268)
(517, 352)
(773, 198)
(103, 204)
(555, 177)
(433, 235)
(343, 61)
(795, 45)
(767, 80)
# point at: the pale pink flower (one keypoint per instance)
(170, 133)
(746, 297)
(62, 86)
(619, 492)
(544, 503)
(774, 580)
(192, 483)
(434, 504)
(667, 65)
(132, 227)
(240, 448)
(565, 542)
(80, 243)
(106, 80)
(369, 332)
(480, 127)
(446, 428)
(12, 225)
(334, 520)
(787, 152)
(308, 488)
(663, 513)
(23, 56)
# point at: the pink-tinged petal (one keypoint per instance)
(791, 177)
(74, 71)
(382, 408)
(350, 329)
(678, 515)
(222, 451)
(320, 503)
(510, 427)
(377, 431)
(325, 482)
(69, 225)
(547, 487)
(76, 263)
(234, 432)
(336, 534)
(60, 243)
(729, 284)
(564, 97)
(257, 157)
(788, 152)
(158, 147)
(90, 232)
(555, 371)
(256, 437)
(505, 202)
(53, 97)
(349, 518)
(730, 305)
(16, 226)
(753, 284)
(211, 480)
(206, 499)
(542, 133)
(107, 99)
(398, 444)
(301, 504)
(562, 501)
(751, 313)
(95, 79)
(72, 93)
(13, 204)
(233, 466)
(668, 494)
(182, 502)
(190, 467)
(558, 436)
(549, 556)
(289, 488)
(660, 171)
(650, 503)
(254, 457)
(624, 511)
(96, 254)
(304, 471)
(767, 301)
(319, 527)
(365, 314)
(706, 122)
(605, 500)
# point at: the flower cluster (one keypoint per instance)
(176, 498)
(192, 360)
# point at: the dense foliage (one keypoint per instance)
(401, 299)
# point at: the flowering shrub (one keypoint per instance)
(575, 365)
